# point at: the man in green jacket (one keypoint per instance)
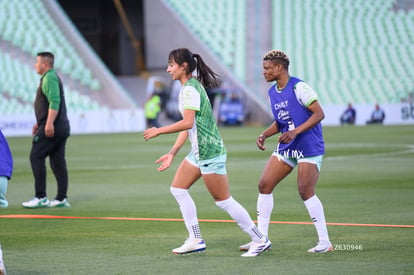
(50, 134)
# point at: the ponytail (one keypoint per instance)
(207, 77)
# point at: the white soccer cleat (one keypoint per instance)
(36, 203)
(191, 246)
(245, 247)
(256, 248)
(322, 247)
(57, 203)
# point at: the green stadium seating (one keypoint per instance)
(220, 25)
(23, 29)
(349, 51)
(18, 88)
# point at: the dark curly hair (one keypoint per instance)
(278, 57)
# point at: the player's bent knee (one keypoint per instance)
(305, 194)
(265, 188)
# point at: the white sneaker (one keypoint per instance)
(245, 247)
(36, 203)
(256, 248)
(57, 203)
(4, 203)
(2, 268)
(190, 246)
(322, 247)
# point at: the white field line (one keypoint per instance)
(404, 149)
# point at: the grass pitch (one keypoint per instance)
(367, 178)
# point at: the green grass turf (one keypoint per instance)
(367, 178)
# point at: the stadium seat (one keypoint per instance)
(355, 47)
(29, 33)
(220, 25)
(19, 84)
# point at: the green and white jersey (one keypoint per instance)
(205, 138)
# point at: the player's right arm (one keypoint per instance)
(168, 158)
(270, 131)
(179, 142)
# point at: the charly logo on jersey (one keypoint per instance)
(280, 105)
(283, 114)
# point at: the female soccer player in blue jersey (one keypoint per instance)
(207, 158)
(297, 116)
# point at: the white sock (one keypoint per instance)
(264, 211)
(315, 209)
(188, 210)
(241, 216)
(3, 190)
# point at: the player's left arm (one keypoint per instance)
(184, 124)
(314, 119)
(51, 90)
(317, 116)
(309, 100)
(191, 104)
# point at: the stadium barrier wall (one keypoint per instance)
(133, 120)
(111, 121)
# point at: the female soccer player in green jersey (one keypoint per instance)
(207, 158)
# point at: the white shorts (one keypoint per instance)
(210, 166)
(294, 161)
